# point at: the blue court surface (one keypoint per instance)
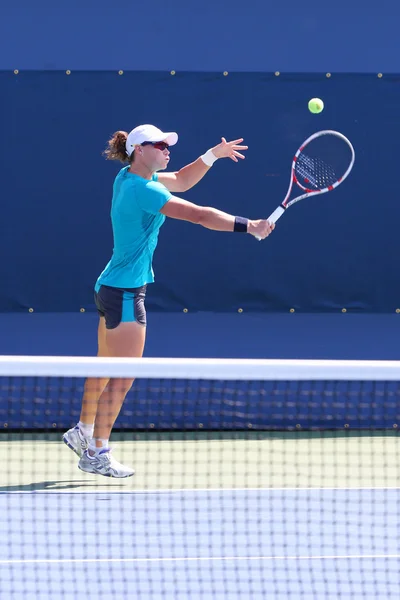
(196, 544)
(282, 518)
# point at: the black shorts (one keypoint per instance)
(121, 305)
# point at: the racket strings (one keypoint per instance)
(315, 172)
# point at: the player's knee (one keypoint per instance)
(122, 386)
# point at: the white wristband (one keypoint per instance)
(209, 158)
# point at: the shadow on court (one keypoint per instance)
(190, 435)
(54, 486)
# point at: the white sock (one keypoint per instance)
(86, 429)
(93, 449)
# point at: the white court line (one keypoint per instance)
(192, 559)
(191, 490)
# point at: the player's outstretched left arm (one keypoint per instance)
(215, 219)
(187, 177)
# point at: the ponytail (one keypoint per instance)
(116, 147)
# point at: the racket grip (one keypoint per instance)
(278, 212)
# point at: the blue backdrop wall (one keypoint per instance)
(339, 250)
(211, 35)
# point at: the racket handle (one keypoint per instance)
(278, 212)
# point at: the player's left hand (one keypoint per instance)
(229, 149)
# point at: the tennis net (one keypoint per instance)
(253, 479)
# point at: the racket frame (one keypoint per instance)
(278, 212)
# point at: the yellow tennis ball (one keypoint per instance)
(315, 105)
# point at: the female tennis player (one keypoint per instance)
(141, 200)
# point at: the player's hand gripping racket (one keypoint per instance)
(321, 163)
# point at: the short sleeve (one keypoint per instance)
(152, 197)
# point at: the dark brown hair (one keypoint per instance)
(116, 149)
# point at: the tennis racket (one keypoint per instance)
(321, 163)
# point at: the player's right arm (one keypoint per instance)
(211, 218)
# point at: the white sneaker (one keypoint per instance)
(103, 463)
(75, 440)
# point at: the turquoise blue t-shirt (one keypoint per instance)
(136, 221)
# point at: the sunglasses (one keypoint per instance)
(158, 145)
